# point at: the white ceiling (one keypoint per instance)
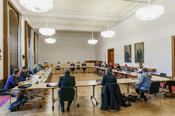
(80, 15)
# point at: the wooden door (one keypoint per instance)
(173, 56)
(111, 56)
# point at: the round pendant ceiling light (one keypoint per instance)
(50, 40)
(92, 41)
(150, 12)
(108, 33)
(38, 6)
(47, 31)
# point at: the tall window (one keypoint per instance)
(14, 39)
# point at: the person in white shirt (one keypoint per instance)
(140, 68)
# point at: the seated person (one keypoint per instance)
(24, 74)
(140, 68)
(105, 65)
(36, 69)
(118, 68)
(143, 84)
(12, 82)
(111, 95)
(72, 67)
(126, 68)
(84, 66)
(108, 77)
(170, 84)
(110, 65)
(69, 82)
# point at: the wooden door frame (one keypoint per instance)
(5, 40)
(108, 53)
(34, 47)
(26, 27)
(173, 55)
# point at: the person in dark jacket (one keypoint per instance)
(84, 66)
(118, 68)
(111, 95)
(36, 69)
(24, 74)
(66, 81)
(108, 77)
(12, 82)
(126, 68)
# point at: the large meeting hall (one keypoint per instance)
(87, 57)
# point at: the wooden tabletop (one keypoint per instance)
(45, 74)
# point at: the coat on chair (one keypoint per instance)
(111, 97)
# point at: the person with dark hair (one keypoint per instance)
(36, 69)
(12, 82)
(126, 68)
(140, 68)
(108, 77)
(118, 68)
(111, 65)
(143, 84)
(66, 81)
(24, 74)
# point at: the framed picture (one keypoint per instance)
(139, 52)
(127, 53)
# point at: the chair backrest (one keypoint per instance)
(162, 74)
(66, 93)
(1, 87)
(154, 88)
(78, 66)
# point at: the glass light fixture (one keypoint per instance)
(38, 6)
(50, 40)
(150, 12)
(92, 40)
(108, 33)
(47, 31)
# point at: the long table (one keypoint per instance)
(44, 76)
(81, 67)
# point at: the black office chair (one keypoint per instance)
(68, 62)
(67, 94)
(78, 68)
(163, 74)
(58, 67)
(162, 83)
(154, 89)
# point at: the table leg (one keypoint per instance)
(53, 100)
(93, 96)
(128, 88)
(77, 97)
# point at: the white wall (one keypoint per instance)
(1, 38)
(155, 34)
(70, 46)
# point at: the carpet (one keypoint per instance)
(4, 99)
